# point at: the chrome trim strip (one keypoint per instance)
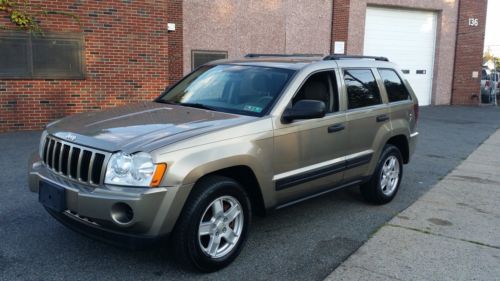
(414, 135)
(107, 156)
(70, 156)
(91, 168)
(321, 165)
(79, 166)
(60, 159)
(53, 156)
(359, 154)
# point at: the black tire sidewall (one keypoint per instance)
(371, 190)
(389, 150)
(215, 188)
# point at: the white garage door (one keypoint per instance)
(406, 37)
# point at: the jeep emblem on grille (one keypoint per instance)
(70, 137)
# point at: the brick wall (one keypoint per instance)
(469, 52)
(175, 41)
(128, 54)
(340, 21)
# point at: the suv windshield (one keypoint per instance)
(247, 90)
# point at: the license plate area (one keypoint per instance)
(52, 196)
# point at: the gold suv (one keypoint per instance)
(231, 139)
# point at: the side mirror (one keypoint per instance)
(305, 109)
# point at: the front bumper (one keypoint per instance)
(90, 208)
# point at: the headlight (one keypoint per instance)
(134, 170)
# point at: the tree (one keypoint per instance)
(21, 13)
(489, 56)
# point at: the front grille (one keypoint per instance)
(73, 161)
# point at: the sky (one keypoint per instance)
(492, 38)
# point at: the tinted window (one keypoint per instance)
(396, 90)
(319, 86)
(50, 56)
(14, 57)
(362, 89)
(57, 57)
(247, 90)
(199, 58)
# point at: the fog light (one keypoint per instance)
(121, 213)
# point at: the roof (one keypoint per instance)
(294, 63)
(297, 62)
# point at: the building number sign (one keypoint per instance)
(473, 22)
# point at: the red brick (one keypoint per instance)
(121, 32)
(469, 52)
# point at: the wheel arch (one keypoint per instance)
(245, 176)
(401, 142)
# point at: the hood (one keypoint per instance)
(143, 126)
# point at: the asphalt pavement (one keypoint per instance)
(302, 242)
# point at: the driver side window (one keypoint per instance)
(320, 86)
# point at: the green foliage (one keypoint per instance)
(20, 14)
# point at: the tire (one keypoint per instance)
(212, 208)
(384, 183)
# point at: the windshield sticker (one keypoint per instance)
(252, 108)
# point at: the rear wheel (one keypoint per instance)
(385, 181)
(213, 226)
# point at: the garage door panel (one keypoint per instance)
(406, 37)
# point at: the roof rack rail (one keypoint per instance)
(344, 57)
(282, 55)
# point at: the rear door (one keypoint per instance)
(399, 98)
(368, 120)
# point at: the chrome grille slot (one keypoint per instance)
(74, 161)
(64, 159)
(50, 158)
(84, 165)
(75, 155)
(97, 167)
(57, 156)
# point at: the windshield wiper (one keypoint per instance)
(165, 101)
(188, 104)
(196, 105)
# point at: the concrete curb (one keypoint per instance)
(450, 233)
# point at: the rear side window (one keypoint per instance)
(362, 89)
(396, 90)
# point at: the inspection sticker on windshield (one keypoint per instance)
(252, 108)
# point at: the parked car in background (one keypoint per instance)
(495, 77)
(486, 86)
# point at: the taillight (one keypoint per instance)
(416, 111)
(487, 83)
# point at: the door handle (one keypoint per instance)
(382, 118)
(336, 128)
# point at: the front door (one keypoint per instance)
(309, 154)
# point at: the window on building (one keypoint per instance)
(52, 56)
(199, 58)
(396, 90)
(362, 89)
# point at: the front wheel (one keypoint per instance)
(385, 181)
(213, 226)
